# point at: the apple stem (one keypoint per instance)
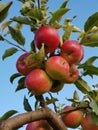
(15, 45)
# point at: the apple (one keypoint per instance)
(72, 51)
(87, 123)
(39, 125)
(72, 119)
(57, 67)
(23, 63)
(49, 36)
(73, 74)
(38, 82)
(57, 86)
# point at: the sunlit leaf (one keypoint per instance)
(5, 25)
(17, 35)
(8, 115)
(14, 76)
(82, 86)
(57, 15)
(27, 105)
(75, 96)
(9, 52)
(4, 10)
(91, 22)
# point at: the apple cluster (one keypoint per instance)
(59, 68)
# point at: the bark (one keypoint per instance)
(44, 113)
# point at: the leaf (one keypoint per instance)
(9, 52)
(21, 84)
(91, 22)
(82, 85)
(26, 104)
(94, 106)
(57, 15)
(14, 76)
(5, 24)
(17, 35)
(94, 117)
(8, 115)
(1, 38)
(75, 96)
(4, 10)
(64, 4)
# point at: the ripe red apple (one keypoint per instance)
(57, 86)
(57, 67)
(23, 64)
(72, 75)
(72, 119)
(38, 82)
(87, 123)
(38, 125)
(49, 36)
(72, 51)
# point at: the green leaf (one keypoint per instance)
(9, 52)
(57, 15)
(21, 84)
(14, 76)
(91, 22)
(5, 24)
(4, 10)
(75, 96)
(17, 35)
(64, 4)
(26, 104)
(82, 85)
(94, 117)
(94, 106)
(8, 115)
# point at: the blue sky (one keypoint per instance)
(11, 100)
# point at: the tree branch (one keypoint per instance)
(22, 119)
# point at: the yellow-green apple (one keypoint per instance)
(72, 119)
(57, 86)
(72, 51)
(73, 74)
(87, 123)
(23, 63)
(57, 67)
(49, 36)
(38, 82)
(39, 125)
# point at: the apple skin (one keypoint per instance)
(87, 123)
(72, 75)
(49, 36)
(38, 82)
(57, 86)
(38, 125)
(23, 65)
(72, 51)
(72, 119)
(57, 67)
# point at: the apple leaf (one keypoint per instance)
(7, 115)
(75, 96)
(82, 85)
(9, 52)
(17, 35)
(1, 38)
(91, 22)
(5, 24)
(26, 104)
(94, 117)
(14, 76)
(64, 4)
(94, 106)
(57, 15)
(21, 84)
(4, 10)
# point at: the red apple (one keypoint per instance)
(72, 119)
(23, 64)
(49, 36)
(72, 51)
(87, 123)
(38, 125)
(57, 67)
(38, 82)
(57, 86)
(72, 75)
